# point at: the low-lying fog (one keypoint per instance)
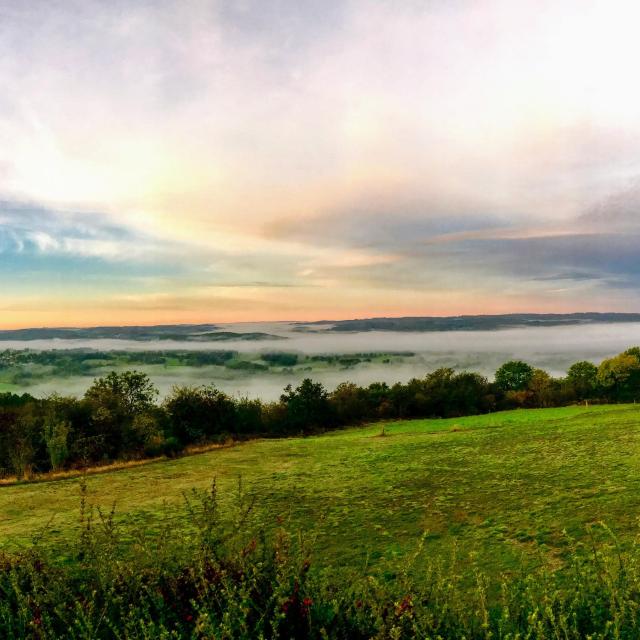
(551, 348)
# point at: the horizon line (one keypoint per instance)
(324, 320)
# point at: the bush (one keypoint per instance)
(231, 578)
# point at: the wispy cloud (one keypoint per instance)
(27, 228)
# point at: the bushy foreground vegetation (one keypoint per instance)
(452, 528)
(118, 417)
(229, 577)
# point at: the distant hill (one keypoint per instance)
(472, 323)
(215, 333)
(178, 332)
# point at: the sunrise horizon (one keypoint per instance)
(319, 320)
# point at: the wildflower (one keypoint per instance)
(405, 605)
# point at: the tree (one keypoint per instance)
(438, 394)
(145, 433)
(582, 376)
(307, 406)
(132, 390)
(199, 413)
(514, 376)
(115, 402)
(403, 398)
(349, 403)
(471, 394)
(620, 377)
(56, 434)
(21, 443)
(633, 351)
(57, 428)
(542, 388)
(248, 418)
(378, 399)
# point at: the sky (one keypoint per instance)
(207, 161)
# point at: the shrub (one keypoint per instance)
(232, 578)
(56, 434)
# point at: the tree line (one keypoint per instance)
(119, 418)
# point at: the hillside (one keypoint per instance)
(175, 332)
(471, 322)
(505, 485)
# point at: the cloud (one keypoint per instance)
(27, 228)
(222, 112)
(386, 224)
(354, 153)
(468, 252)
(618, 211)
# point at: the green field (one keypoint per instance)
(509, 485)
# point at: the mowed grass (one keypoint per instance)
(510, 486)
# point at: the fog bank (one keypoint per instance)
(550, 348)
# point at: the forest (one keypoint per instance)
(119, 417)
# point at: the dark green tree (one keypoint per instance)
(349, 402)
(131, 390)
(583, 378)
(307, 406)
(23, 441)
(248, 417)
(116, 402)
(199, 413)
(514, 375)
(471, 394)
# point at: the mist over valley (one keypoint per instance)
(382, 355)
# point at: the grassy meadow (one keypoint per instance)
(510, 487)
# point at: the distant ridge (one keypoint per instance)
(177, 332)
(471, 323)
(217, 333)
